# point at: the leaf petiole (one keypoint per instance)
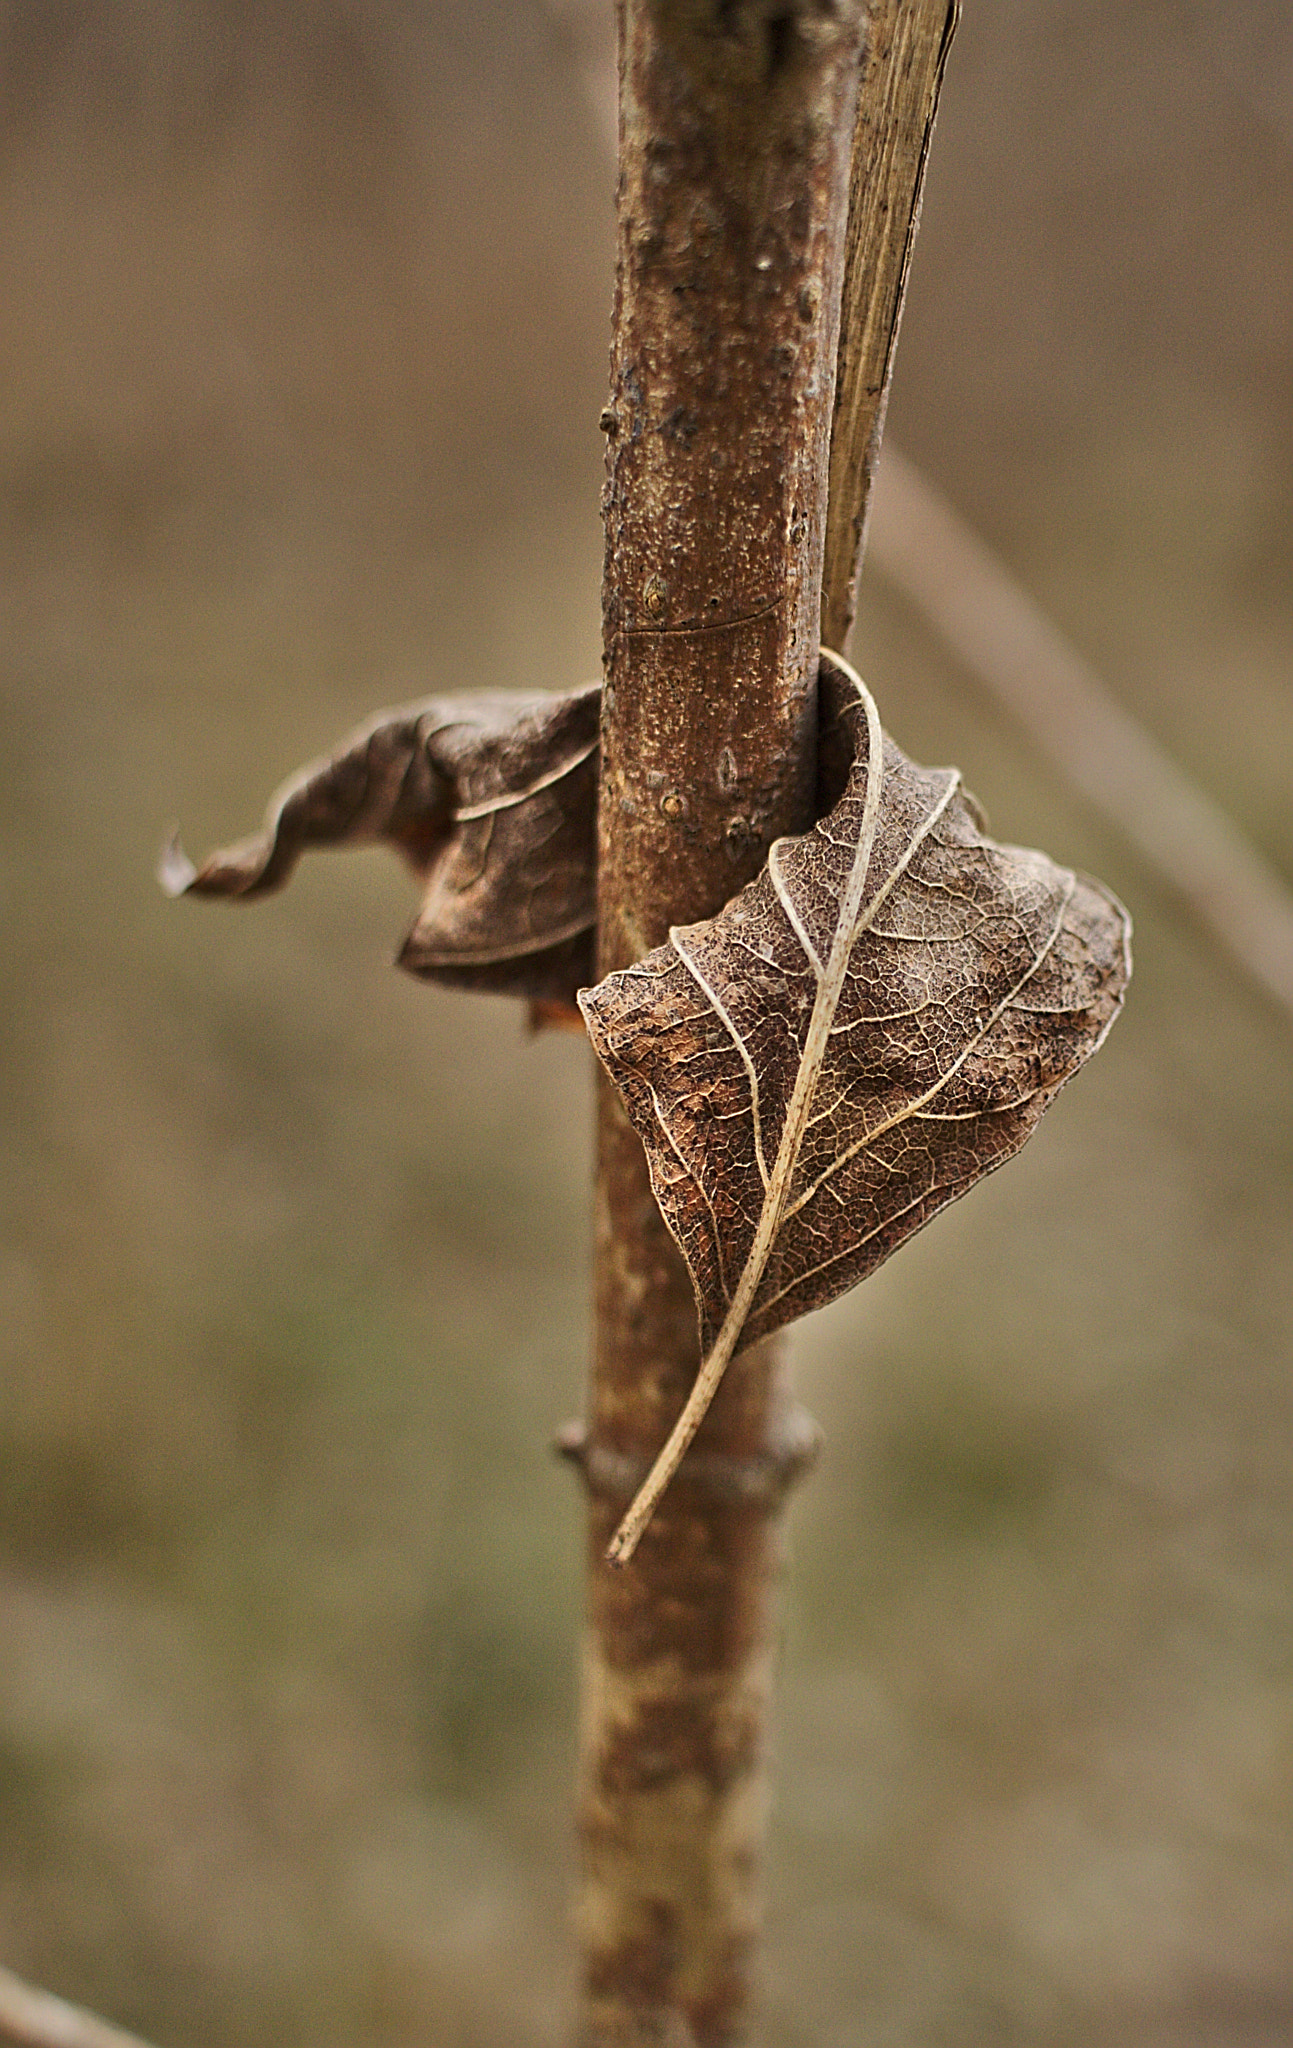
(830, 982)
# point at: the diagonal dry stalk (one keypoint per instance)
(902, 77)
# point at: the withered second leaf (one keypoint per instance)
(872, 1025)
(490, 797)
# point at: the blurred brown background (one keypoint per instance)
(303, 338)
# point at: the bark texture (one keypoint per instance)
(735, 129)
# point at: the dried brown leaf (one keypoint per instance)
(490, 797)
(866, 1030)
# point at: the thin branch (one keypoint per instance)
(926, 551)
(36, 2019)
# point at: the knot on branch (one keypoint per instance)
(761, 1480)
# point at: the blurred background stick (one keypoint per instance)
(925, 550)
(36, 2019)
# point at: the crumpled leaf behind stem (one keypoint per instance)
(866, 1030)
(491, 798)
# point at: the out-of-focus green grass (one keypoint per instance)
(302, 364)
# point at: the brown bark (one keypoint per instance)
(735, 124)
